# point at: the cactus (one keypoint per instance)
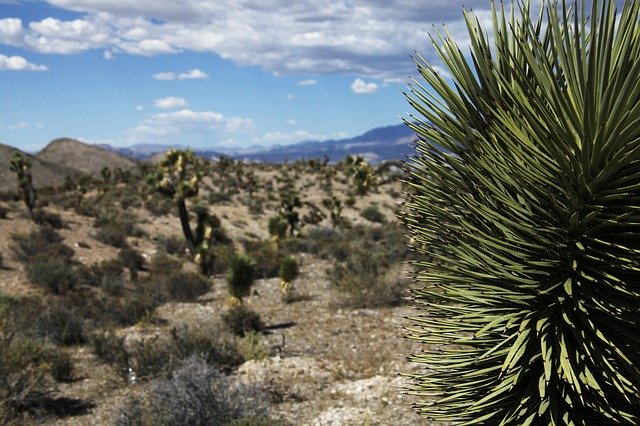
(240, 277)
(22, 168)
(175, 179)
(288, 272)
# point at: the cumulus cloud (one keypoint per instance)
(359, 87)
(171, 125)
(309, 82)
(18, 63)
(170, 102)
(371, 39)
(194, 74)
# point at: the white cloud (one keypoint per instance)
(360, 87)
(108, 55)
(371, 39)
(18, 63)
(166, 76)
(194, 74)
(170, 102)
(139, 108)
(309, 82)
(291, 122)
(170, 126)
(290, 97)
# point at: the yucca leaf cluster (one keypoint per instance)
(524, 201)
(240, 275)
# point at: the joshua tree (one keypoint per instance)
(361, 174)
(175, 178)
(289, 202)
(22, 168)
(529, 219)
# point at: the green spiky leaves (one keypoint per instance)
(529, 219)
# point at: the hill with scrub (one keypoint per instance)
(107, 318)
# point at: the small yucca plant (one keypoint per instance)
(240, 277)
(288, 272)
(529, 220)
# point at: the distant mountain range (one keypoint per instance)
(380, 144)
(68, 157)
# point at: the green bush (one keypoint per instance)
(241, 320)
(524, 202)
(43, 242)
(172, 244)
(373, 214)
(288, 268)
(266, 255)
(53, 274)
(240, 275)
(277, 226)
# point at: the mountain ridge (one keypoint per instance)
(379, 144)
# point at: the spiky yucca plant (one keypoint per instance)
(529, 219)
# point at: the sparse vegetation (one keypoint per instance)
(108, 277)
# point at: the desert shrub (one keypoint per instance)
(47, 218)
(162, 264)
(28, 369)
(373, 214)
(131, 259)
(159, 205)
(44, 241)
(115, 226)
(252, 346)
(1, 261)
(110, 348)
(366, 281)
(241, 320)
(195, 394)
(216, 346)
(3, 211)
(53, 274)
(266, 255)
(108, 275)
(172, 244)
(61, 365)
(184, 286)
(62, 325)
(219, 197)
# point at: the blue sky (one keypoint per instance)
(210, 73)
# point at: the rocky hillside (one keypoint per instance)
(44, 173)
(83, 157)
